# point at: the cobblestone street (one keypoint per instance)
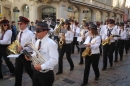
(118, 75)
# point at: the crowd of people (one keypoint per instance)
(52, 42)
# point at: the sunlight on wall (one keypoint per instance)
(127, 4)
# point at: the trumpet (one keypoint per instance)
(87, 51)
(107, 41)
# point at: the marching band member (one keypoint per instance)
(84, 35)
(93, 42)
(66, 47)
(76, 31)
(49, 50)
(108, 49)
(127, 39)
(99, 32)
(5, 41)
(24, 36)
(121, 40)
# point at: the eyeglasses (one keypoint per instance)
(20, 23)
(5, 24)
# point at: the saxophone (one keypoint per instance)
(62, 40)
(57, 30)
(107, 41)
(87, 51)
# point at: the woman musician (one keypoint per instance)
(121, 41)
(93, 42)
(5, 41)
(84, 33)
(66, 48)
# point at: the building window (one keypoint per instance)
(26, 11)
(73, 12)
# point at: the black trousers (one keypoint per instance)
(116, 49)
(21, 63)
(120, 49)
(100, 47)
(108, 52)
(81, 58)
(94, 60)
(126, 46)
(43, 79)
(7, 60)
(65, 49)
(75, 42)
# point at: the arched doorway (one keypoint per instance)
(87, 14)
(49, 13)
(98, 16)
(25, 11)
(106, 16)
(73, 12)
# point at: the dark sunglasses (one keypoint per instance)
(20, 23)
(38, 30)
(5, 24)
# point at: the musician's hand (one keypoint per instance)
(19, 48)
(88, 45)
(38, 67)
(119, 38)
(27, 58)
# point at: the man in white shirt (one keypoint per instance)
(23, 37)
(108, 48)
(49, 50)
(76, 31)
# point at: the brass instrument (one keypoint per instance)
(57, 30)
(37, 58)
(87, 51)
(12, 48)
(107, 41)
(62, 40)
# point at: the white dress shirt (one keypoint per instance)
(123, 34)
(95, 43)
(6, 38)
(27, 36)
(72, 26)
(113, 32)
(49, 51)
(77, 31)
(69, 37)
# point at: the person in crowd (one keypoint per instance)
(93, 42)
(5, 41)
(14, 31)
(24, 36)
(65, 47)
(76, 32)
(32, 27)
(121, 41)
(108, 47)
(84, 34)
(43, 74)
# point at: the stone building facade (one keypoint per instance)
(92, 10)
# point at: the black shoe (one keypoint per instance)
(83, 84)
(1, 77)
(81, 63)
(111, 65)
(103, 69)
(115, 61)
(71, 69)
(96, 78)
(12, 74)
(58, 73)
